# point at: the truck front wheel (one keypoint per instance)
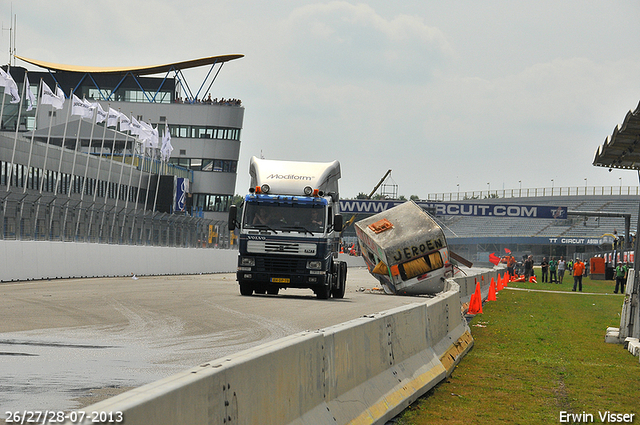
(324, 292)
(246, 288)
(341, 281)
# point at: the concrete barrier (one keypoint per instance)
(363, 371)
(33, 260)
(468, 283)
(27, 260)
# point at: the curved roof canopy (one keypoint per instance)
(137, 70)
(622, 148)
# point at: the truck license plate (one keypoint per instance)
(280, 280)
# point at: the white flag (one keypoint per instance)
(145, 133)
(166, 144)
(101, 114)
(81, 107)
(49, 98)
(30, 97)
(154, 138)
(112, 120)
(125, 122)
(135, 127)
(60, 94)
(10, 86)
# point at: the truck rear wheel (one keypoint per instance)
(246, 288)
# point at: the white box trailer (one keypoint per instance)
(406, 250)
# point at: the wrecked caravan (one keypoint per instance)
(405, 250)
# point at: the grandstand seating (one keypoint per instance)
(574, 226)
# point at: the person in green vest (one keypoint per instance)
(621, 277)
(553, 266)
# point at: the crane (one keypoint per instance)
(353, 217)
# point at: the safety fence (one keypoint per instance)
(538, 192)
(50, 219)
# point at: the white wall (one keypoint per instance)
(27, 260)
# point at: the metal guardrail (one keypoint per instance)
(61, 220)
(538, 192)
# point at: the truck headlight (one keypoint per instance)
(247, 261)
(314, 265)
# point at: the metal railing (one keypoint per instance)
(538, 192)
(55, 220)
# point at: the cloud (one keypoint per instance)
(341, 40)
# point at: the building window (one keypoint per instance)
(197, 164)
(211, 202)
(203, 132)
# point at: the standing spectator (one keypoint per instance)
(621, 277)
(544, 265)
(553, 266)
(562, 266)
(511, 263)
(578, 270)
(528, 268)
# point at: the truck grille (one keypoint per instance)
(279, 265)
(281, 247)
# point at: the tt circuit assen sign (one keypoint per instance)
(366, 206)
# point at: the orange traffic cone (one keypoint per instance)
(505, 281)
(500, 286)
(492, 292)
(475, 303)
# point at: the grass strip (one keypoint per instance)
(537, 354)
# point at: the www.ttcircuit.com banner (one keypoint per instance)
(367, 206)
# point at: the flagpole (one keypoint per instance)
(95, 185)
(33, 133)
(119, 187)
(160, 169)
(146, 198)
(143, 157)
(155, 199)
(15, 138)
(4, 91)
(126, 202)
(86, 168)
(72, 177)
(55, 189)
(106, 195)
(46, 151)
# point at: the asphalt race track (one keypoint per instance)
(65, 344)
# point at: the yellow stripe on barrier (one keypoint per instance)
(376, 411)
(454, 352)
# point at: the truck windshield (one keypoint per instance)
(285, 218)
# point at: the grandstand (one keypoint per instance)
(475, 237)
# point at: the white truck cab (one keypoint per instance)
(289, 229)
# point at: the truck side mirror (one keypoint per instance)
(233, 212)
(337, 222)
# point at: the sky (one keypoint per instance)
(451, 96)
